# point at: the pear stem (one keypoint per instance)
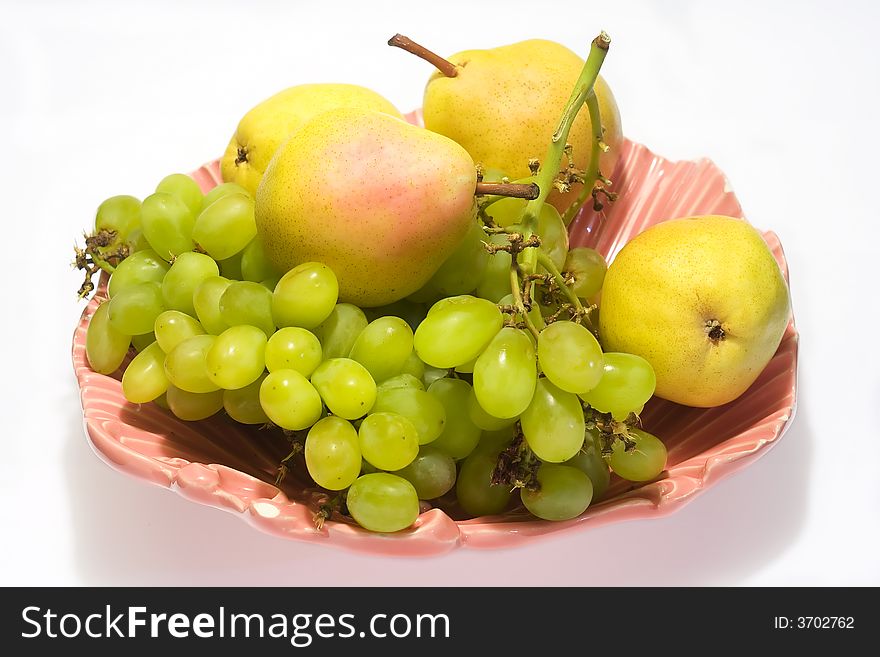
(551, 162)
(446, 67)
(511, 190)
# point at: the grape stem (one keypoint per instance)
(591, 177)
(527, 191)
(446, 67)
(518, 298)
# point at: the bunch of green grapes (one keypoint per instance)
(430, 397)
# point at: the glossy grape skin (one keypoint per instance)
(388, 441)
(570, 356)
(243, 404)
(564, 493)
(553, 424)
(134, 310)
(401, 381)
(305, 296)
(383, 502)
(494, 284)
(425, 411)
(120, 214)
(186, 273)
(554, 236)
(290, 400)
(589, 461)
(293, 348)
(173, 327)
(184, 188)
(456, 330)
(346, 387)
(140, 267)
(383, 347)
(144, 379)
(643, 463)
(186, 367)
(221, 190)
(627, 383)
(206, 301)
(246, 302)
(432, 473)
(413, 366)
(255, 266)
(338, 332)
(105, 346)
(237, 357)
(460, 435)
(167, 225)
(588, 268)
(505, 374)
(193, 406)
(226, 227)
(474, 489)
(482, 419)
(462, 271)
(332, 453)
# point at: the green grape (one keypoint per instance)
(482, 419)
(142, 341)
(120, 214)
(412, 313)
(382, 502)
(105, 346)
(184, 188)
(497, 440)
(388, 441)
(588, 268)
(401, 381)
(231, 267)
(644, 462)
(383, 347)
(255, 266)
(554, 236)
(456, 330)
(237, 357)
(193, 406)
(346, 387)
(494, 285)
(246, 302)
(466, 368)
(553, 424)
(144, 379)
(140, 267)
(627, 382)
(221, 190)
(338, 332)
(505, 374)
(461, 272)
(366, 468)
(564, 493)
(134, 310)
(413, 365)
(474, 489)
(432, 473)
(185, 365)
(431, 374)
(270, 283)
(570, 356)
(460, 435)
(173, 327)
(589, 461)
(290, 400)
(186, 272)
(305, 296)
(293, 348)
(226, 226)
(162, 402)
(167, 224)
(425, 411)
(243, 404)
(206, 301)
(333, 453)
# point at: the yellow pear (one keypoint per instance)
(379, 201)
(700, 298)
(504, 104)
(262, 130)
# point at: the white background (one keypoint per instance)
(104, 98)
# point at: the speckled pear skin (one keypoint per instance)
(381, 202)
(505, 104)
(671, 286)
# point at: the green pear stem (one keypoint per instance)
(527, 191)
(446, 67)
(551, 163)
(592, 173)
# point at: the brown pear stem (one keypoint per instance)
(446, 67)
(529, 191)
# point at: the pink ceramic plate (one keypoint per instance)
(225, 465)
